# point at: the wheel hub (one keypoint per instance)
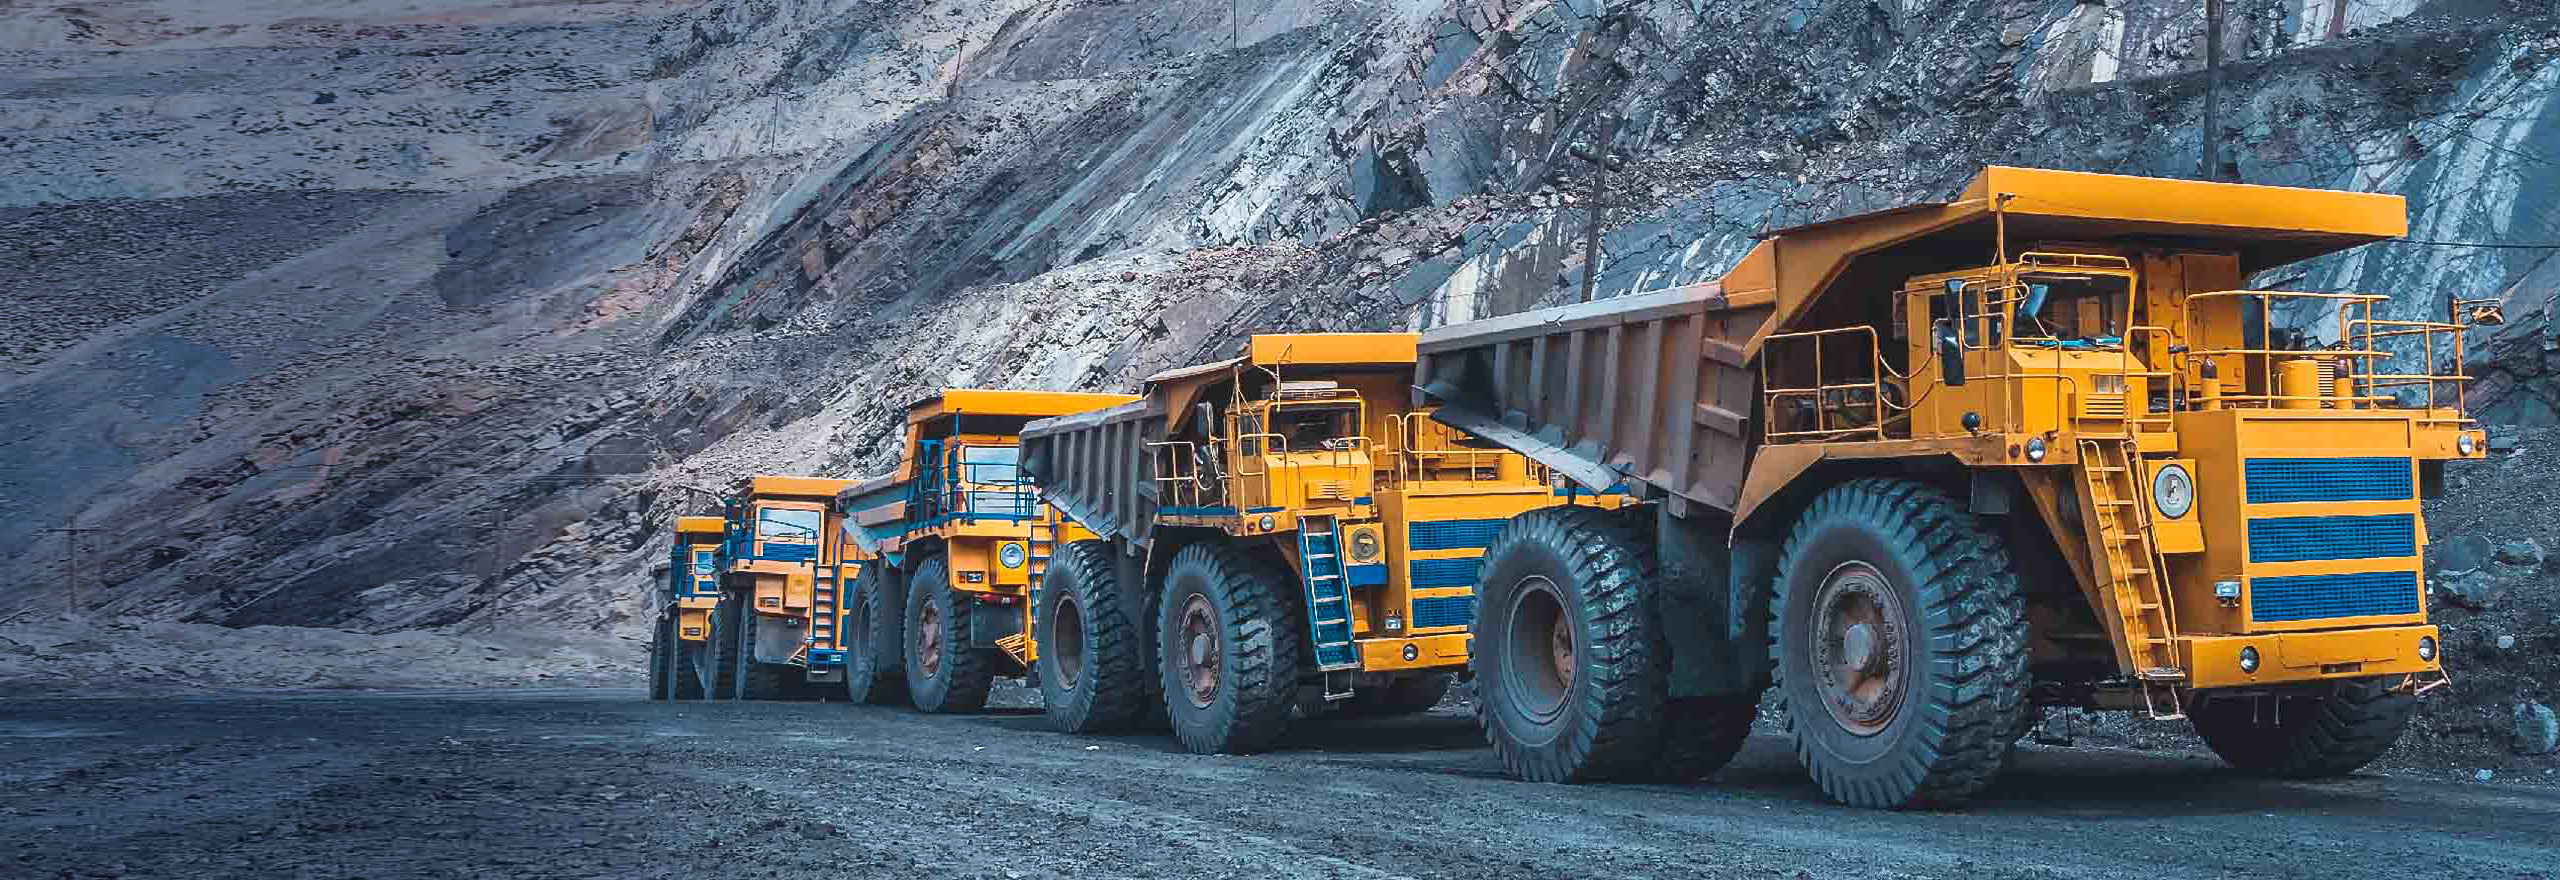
(1202, 657)
(1539, 672)
(1859, 648)
(1065, 658)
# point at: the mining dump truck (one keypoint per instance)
(1278, 534)
(686, 600)
(1929, 470)
(953, 544)
(773, 632)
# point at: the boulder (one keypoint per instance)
(2459, 554)
(2537, 729)
(2475, 590)
(2527, 553)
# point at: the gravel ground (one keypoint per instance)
(591, 783)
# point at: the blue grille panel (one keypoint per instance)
(2300, 538)
(2319, 596)
(790, 552)
(1444, 611)
(2281, 480)
(1429, 573)
(1452, 534)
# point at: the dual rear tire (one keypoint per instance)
(2333, 730)
(1898, 636)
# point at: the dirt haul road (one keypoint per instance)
(597, 783)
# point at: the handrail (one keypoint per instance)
(1823, 392)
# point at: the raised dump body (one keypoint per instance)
(953, 544)
(1931, 469)
(773, 633)
(1287, 491)
(688, 597)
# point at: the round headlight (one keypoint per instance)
(1012, 555)
(2035, 449)
(1268, 522)
(2465, 444)
(2173, 491)
(1364, 546)
(2427, 648)
(2248, 659)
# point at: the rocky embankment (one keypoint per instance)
(401, 317)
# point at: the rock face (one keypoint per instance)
(448, 337)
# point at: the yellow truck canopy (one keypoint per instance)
(710, 527)
(813, 488)
(2267, 225)
(1005, 402)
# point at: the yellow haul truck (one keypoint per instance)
(773, 633)
(1929, 470)
(953, 544)
(683, 607)
(1277, 532)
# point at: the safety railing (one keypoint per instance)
(1829, 405)
(1413, 462)
(2444, 391)
(2263, 360)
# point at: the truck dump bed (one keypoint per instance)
(1093, 466)
(1657, 393)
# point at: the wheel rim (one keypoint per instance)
(1861, 648)
(929, 640)
(1540, 671)
(1065, 656)
(1198, 655)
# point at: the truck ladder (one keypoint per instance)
(822, 607)
(1328, 600)
(2133, 568)
(1043, 544)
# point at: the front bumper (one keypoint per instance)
(2287, 658)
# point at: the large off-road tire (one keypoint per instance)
(1702, 734)
(719, 666)
(662, 657)
(758, 681)
(684, 662)
(1230, 642)
(943, 673)
(1093, 677)
(1570, 676)
(1900, 642)
(874, 628)
(1404, 696)
(2332, 732)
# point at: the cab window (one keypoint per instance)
(788, 524)
(1307, 428)
(991, 465)
(702, 562)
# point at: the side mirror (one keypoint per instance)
(1950, 352)
(2035, 299)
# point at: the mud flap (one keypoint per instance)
(990, 621)
(1713, 605)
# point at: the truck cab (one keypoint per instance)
(688, 597)
(781, 562)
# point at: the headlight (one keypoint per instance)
(1364, 546)
(2035, 449)
(2248, 659)
(1268, 522)
(2427, 648)
(2173, 491)
(1012, 555)
(2465, 444)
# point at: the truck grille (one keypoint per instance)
(1452, 534)
(2302, 538)
(2285, 480)
(1430, 573)
(2102, 406)
(2318, 596)
(1437, 611)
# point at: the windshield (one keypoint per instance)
(1306, 428)
(2070, 309)
(991, 465)
(702, 562)
(787, 524)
